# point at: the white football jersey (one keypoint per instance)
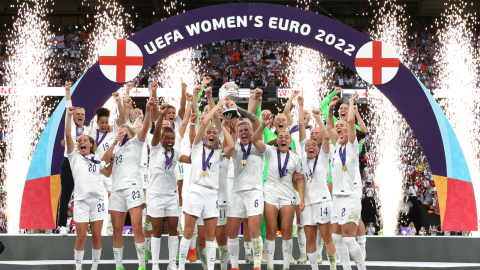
(161, 177)
(250, 175)
(316, 189)
(126, 166)
(86, 175)
(209, 181)
(276, 186)
(343, 180)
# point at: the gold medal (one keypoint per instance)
(204, 173)
(244, 161)
(344, 168)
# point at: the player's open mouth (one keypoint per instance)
(244, 136)
(83, 147)
(169, 145)
(171, 118)
(80, 119)
(311, 151)
(280, 125)
(211, 139)
(283, 144)
(343, 114)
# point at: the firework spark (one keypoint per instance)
(457, 68)
(307, 71)
(387, 125)
(27, 67)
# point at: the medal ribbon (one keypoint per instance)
(205, 163)
(92, 159)
(168, 160)
(247, 153)
(296, 128)
(281, 169)
(314, 167)
(103, 137)
(78, 132)
(343, 155)
(125, 140)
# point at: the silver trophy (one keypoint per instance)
(230, 90)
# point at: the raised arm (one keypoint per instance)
(301, 121)
(193, 125)
(121, 111)
(206, 120)
(250, 116)
(107, 157)
(288, 107)
(330, 122)
(183, 101)
(128, 103)
(361, 124)
(211, 104)
(68, 97)
(229, 148)
(257, 136)
(68, 129)
(351, 120)
(153, 91)
(157, 133)
(142, 134)
(186, 118)
(197, 91)
(323, 131)
(327, 100)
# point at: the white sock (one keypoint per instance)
(287, 247)
(96, 253)
(172, 249)
(210, 251)
(147, 243)
(313, 258)
(257, 251)
(78, 259)
(248, 248)
(140, 253)
(341, 251)
(184, 245)
(223, 252)
(118, 255)
(362, 241)
(301, 240)
(193, 243)
(355, 251)
(156, 244)
(270, 252)
(320, 243)
(233, 249)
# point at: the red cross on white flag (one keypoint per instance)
(121, 61)
(377, 62)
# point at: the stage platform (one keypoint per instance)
(41, 252)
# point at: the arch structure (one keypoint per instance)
(273, 22)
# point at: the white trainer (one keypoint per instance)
(171, 267)
(63, 231)
(155, 267)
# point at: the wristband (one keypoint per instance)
(189, 103)
(208, 96)
(192, 123)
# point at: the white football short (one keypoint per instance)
(346, 209)
(222, 217)
(276, 201)
(162, 205)
(88, 210)
(179, 171)
(317, 213)
(201, 202)
(106, 182)
(123, 199)
(244, 204)
(144, 175)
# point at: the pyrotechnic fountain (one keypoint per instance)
(457, 68)
(387, 125)
(307, 71)
(25, 112)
